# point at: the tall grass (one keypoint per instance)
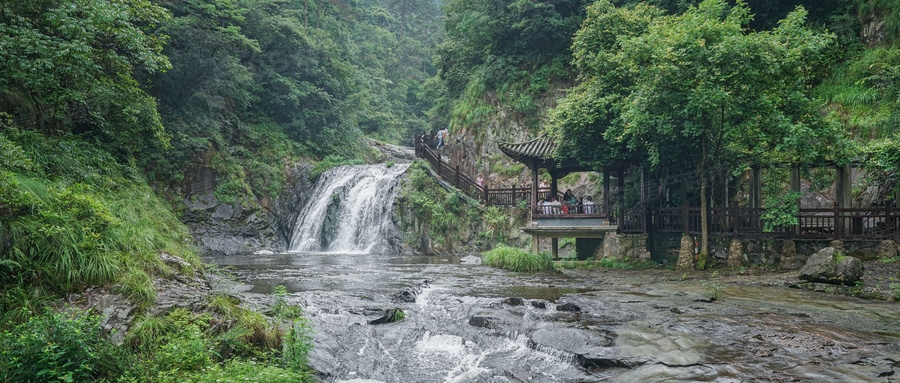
(515, 259)
(74, 218)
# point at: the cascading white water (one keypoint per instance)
(349, 210)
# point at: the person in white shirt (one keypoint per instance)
(441, 136)
(588, 205)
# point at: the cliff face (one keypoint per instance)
(474, 147)
(244, 226)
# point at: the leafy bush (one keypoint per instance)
(57, 346)
(514, 259)
(240, 371)
(439, 214)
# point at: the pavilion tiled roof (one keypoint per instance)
(539, 148)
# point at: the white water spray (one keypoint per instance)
(349, 210)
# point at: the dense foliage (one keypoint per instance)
(230, 345)
(71, 216)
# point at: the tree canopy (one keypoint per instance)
(697, 86)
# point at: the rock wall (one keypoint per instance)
(770, 253)
(247, 225)
(624, 246)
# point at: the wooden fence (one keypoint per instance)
(843, 223)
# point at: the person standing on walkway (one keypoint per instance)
(441, 136)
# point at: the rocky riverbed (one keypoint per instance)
(471, 323)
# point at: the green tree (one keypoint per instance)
(70, 65)
(703, 90)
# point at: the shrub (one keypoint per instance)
(515, 259)
(57, 346)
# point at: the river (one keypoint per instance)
(633, 326)
(465, 322)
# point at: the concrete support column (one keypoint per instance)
(535, 243)
(554, 248)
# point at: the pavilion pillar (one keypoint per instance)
(844, 187)
(554, 190)
(606, 192)
(795, 187)
(534, 186)
(620, 197)
(535, 243)
(685, 208)
(643, 198)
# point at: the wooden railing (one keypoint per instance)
(862, 223)
(513, 196)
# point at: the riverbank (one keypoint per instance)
(881, 280)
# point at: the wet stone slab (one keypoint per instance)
(630, 327)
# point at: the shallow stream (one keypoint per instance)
(632, 326)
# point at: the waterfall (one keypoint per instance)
(349, 210)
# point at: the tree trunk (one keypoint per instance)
(704, 218)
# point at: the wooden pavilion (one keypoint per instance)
(586, 223)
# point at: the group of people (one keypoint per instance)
(568, 204)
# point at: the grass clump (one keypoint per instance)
(515, 259)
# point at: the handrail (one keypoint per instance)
(864, 223)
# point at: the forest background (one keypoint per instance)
(107, 105)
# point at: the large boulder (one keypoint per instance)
(789, 259)
(830, 265)
(887, 249)
(685, 254)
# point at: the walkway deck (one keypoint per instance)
(566, 226)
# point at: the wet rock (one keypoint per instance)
(174, 262)
(470, 260)
(589, 348)
(406, 296)
(830, 266)
(685, 254)
(837, 244)
(886, 249)
(571, 307)
(736, 253)
(514, 301)
(883, 374)
(223, 212)
(539, 304)
(789, 259)
(390, 316)
(486, 322)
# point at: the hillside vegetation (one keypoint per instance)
(108, 106)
